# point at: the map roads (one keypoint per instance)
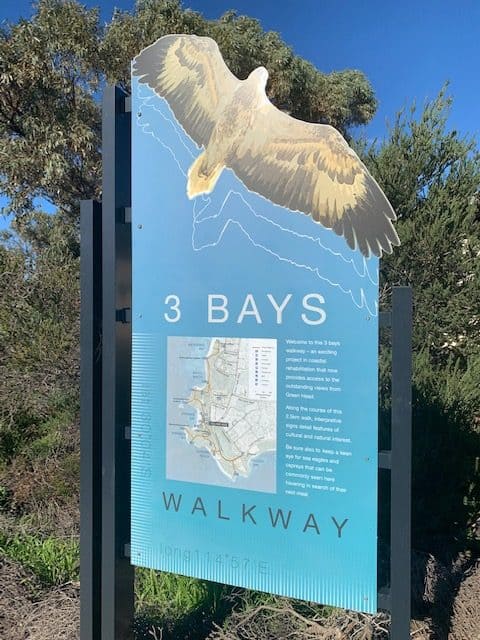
(235, 406)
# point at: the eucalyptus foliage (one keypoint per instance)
(54, 66)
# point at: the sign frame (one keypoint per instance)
(107, 576)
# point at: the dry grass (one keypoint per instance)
(282, 621)
(29, 613)
(55, 616)
(17, 589)
(466, 609)
(446, 598)
(41, 485)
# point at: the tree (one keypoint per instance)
(39, 329)
(53, 67)
(49, 120)
(432, 177)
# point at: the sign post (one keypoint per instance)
(91, 420)
(401, 470)
(117, 572)
(107, 577)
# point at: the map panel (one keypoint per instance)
(221, 411)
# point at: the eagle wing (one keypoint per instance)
(311, 169)
(189, 72)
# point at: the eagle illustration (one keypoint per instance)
(308, 168)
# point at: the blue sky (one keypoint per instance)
(407, 49)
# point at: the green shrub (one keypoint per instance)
(176, 595)
(53, 561)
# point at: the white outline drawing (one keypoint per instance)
(147, 99)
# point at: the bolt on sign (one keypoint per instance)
(256, 239)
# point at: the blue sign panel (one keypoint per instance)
(255, 337)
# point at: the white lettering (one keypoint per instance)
(252, 311)
(279, 309)
(309, 307)
(174, 302)
(217, 308)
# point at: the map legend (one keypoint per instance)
(262, 380)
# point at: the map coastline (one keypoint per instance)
(233, 417)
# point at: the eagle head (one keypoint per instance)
(260, 76)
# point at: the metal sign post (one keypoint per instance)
(107, 576)
(117, 573)
(91, 420)
(397, 597)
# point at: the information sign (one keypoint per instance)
(255, 336)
